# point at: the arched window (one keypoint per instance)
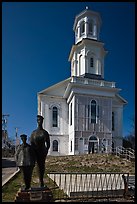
(55, 117)
(55, 145)
(93, 111)
(82, 28)
(91, 27)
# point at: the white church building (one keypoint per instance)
(84, 113)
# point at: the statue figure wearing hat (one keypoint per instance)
(40, 141)
(25, 160)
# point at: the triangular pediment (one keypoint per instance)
(120, 100)
(57, 89)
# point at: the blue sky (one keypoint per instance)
(36, 41)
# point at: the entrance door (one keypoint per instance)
(93, 144)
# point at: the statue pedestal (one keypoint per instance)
(36, 194)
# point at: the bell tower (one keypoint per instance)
(87, 25)
(87, 55)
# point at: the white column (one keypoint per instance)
(120, 120)
(86, 27)
(42, 108)
(39, 105)
(102, 68)
(86, 63)
(47, 119)
(75, 64)
(76, 35)
(78, 30)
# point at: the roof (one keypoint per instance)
(120, 98)
(56, 89)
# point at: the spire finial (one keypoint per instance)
(86, 7)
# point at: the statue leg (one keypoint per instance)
(27, 174)
(41, 170)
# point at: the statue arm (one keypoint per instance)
(17, 152)
(48, 141)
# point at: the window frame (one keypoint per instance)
(71, 146)
(92, 62)
(55, 146)
(54, 117)
(93, 118)
(82, 28)
(90, 27)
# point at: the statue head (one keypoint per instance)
(40, 116)
(23, 138)
(40, 120)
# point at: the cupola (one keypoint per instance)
(87, 25)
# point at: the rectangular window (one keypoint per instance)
(83, 27)
(93, 111)
(55, 117)
(91, 62)
(90, 28)
(71, 146)
(93, 117)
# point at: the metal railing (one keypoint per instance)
(131, 150)
(127, 153)
(88, 185)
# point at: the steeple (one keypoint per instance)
(87, 25)
(87, 55)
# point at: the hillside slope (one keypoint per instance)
(89, 163)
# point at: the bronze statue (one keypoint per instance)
(40, 141)
(25, 160)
